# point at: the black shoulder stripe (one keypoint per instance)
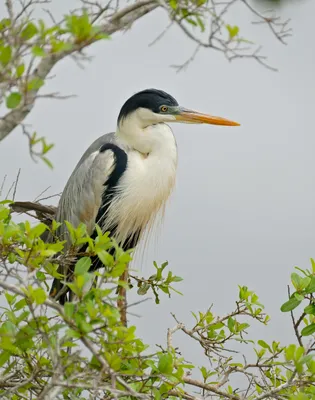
(120, 167)
(121, 160)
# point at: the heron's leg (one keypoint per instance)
(122, 298)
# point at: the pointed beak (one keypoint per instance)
(194, 117)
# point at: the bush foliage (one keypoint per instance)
(82, 350)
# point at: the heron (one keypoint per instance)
(124, 179)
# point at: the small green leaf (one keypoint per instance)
(308, 330)
(69, 310)
(29, 31)
(82, 266)
(263, 344)
(40, 276)
(35, 84)
(231, 324)
(47, 162)
(165, 364)
(4, 357)
(204, 373)
(233, 30)
(20, 304)
(143, 289)
(71, 333)
(5, 55)
(289, 352)
(176, 279)
(311, 287)
(298, 297)
(81, 280)
(10, 298)
(4, 23)
(290, 304)
(38, 230)
(173, 4)
(310, 309)
(298, 282)
(39, 295)
(299, 353)
(118, 270)
(13, 100)
(106, 258)
(38, 51)
(20, 70)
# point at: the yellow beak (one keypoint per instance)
(194, 117)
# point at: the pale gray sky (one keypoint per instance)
(243, 208)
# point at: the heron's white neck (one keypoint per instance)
(145, 136)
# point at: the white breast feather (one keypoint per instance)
(143, 190)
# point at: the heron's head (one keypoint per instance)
(152, 106)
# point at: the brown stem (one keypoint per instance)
(122, 298)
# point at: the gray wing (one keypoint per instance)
(82, 196)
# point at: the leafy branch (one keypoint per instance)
(50, 351)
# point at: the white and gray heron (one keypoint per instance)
(123, 180)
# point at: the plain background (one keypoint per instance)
(243, 209)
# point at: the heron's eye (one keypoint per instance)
(164, 108)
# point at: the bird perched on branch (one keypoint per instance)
(123, 180)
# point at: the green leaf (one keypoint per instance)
(20, 304)
(173, 4)
(200, 23)
(69, 310)
(35, 84)
(298, 282)
(233, 30)
(106, 258)
(47, 162)
(299, 353)
(4, 23)
(306, 359)
(298, 297)
(71, 333)
(263, 344)
(311, 287)
(165, 364)
(290, 304)
(82, 279)
(38, 230)
(29, 31)
(5, 55)
(38, 51)
(69, 344)
(308, 330)
(82, 324)
(289, 352)
(13, 100)
(40, 276)
(4, 357)
(176, 279)
(204, 373)
(118, 270)
(20, 70)
(143, 289)
(39, 295)
(10, 298)
(82, 266)
(231, 324)
(310, 309)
